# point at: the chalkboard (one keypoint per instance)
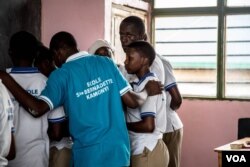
(16, 15)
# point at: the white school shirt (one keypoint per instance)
(164, 72)
(32, 142)
(65, 142)
(173, 120)
(154, 106)
(6, 124)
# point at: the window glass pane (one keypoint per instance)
(238, 56)
(183, 3)
(238, 2)
(190, 43)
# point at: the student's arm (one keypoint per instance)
(12, 152)
(146, 125)
(130, 100)
(147, 113)
(66, 128)
(171, 86)
(154, 87)
(137, 99)
(176, 98)
(33, 105)
(55, 131)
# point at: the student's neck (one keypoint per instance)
(52, 68)
(142, 72)
(23, 64)
(72, 52)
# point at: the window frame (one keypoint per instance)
(221, 10)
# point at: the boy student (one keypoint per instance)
(32, 142)
(92, 100)
(146, 123)
(132, 29)
(60, 148)
(7, 143)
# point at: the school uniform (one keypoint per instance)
(90, 88)
(6, 124)
(32, 142)
(148, 149)
(173, 135)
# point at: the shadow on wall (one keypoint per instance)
(16, 15)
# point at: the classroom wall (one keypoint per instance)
(83, 19)
(207, 124)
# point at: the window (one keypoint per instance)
(238, 56)
(238, 3)
(208, 44)
(183, 3)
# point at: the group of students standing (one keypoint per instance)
(93, 91)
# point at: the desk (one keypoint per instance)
(227, 149)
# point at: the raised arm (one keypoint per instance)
(154, 87)
(131, 100)
(136, 99)
(33, 105)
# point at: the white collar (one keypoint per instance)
(77, 56)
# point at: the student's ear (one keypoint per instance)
(145, 61)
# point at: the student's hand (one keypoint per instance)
(154, 88)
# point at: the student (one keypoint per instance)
(32, 142)
(44, 60)
(132, 29)
(89, 87)
(60, 148)
(101, 47)
(7, 143)
(146, 123)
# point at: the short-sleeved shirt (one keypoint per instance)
(173, 120)
(90, 89)
(164, 72)
(154, 106)
(31, 138)
(6, 123)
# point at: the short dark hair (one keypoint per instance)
(145, 48)
(61, 40)
(43, 53)
(23, 45)
(137, 22)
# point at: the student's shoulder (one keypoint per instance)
(164, 60)
(148, 77)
